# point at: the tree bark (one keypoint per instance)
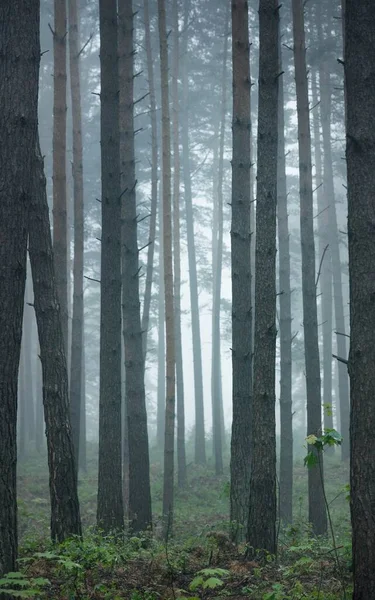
(317, 511)
(19, 72)
(359, 61)
(241, 275)
(110, 514)
(161, 390)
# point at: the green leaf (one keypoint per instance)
(196, 583)
(31, 593)
(310, 460)
(212, 583)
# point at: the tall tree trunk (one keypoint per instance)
(218, 431)
(200, 447)
(19, 73)
(135, 398)
(262, 507)
(22, 401)
(154, 184)
(39, 413)
(286, 414)
(317, 511)
(76, 398)
(83, 434)
(27, 334)
(241, 275)
(161, 389)
(110, 514)
(181, 456)
(168, 281)
(65, 515)
(60, 224)
(359, 61)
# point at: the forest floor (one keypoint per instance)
(198, 562)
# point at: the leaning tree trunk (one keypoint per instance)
(76, 396)
(65, 515)
(110, 514)
(241, 275)
(262, 507)
(317, 511)
(168, 282)
(60, 224)
(19, 72)
(135, 397)
(359, 61)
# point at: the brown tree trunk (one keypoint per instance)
(19, 72)
(110, 513)
(317, 511)
(168, 281)
(65, 515)
(135, 399)
(76, 398)
(262, 507)
(359, 60)
(241, 275)
(60, 226)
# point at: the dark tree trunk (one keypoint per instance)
(285, 326)
(39, 413)
(19, 72)
(83, 435)
(65, 515)
(241, 275)
(317, 511)
(60, 224)
(135, 399)
(262, 507)
(359, 68)
(110, 514)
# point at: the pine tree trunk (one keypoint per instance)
(139, 467)
(241, 275)
(65, 515)
(359, 61)
(39, 413)
(286, 414)
(76, 397)
(27, 334)
(19, 72)
(60, 225)
(110, 513)
(200, 447)
(161, 391)
(83, 434)
(317, 511)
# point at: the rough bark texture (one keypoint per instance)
(168, 282)
(360, 155)
(139, 467)
(200, 447)
(262, 507)
(110, 513)
(19, 71)
(154, 182)
(65, 515)
(241, 276)
(60, 232)
(181, 456)
(317, 512)
(285, 324)
(76, 397)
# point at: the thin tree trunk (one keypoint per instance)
(28, 345)
(168, 282)
(135, 398)
(76, 397)
(83, 434)
(60, 225)
(39, 413)
(286, 414)
(154, 184)
(181, 456)
(359, 61)
(241, 275)
(19, 73)
(161, 390)
(65, 514)
(110, 514)
(21, 401)
(317, 511)
(200, 447)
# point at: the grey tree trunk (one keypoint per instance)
(160, 409)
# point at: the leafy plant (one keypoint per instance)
(207, 579)
(18, 585)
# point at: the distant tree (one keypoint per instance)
(317, 511)
(359, 67)
(137, 435)
(110, 514)
(161, 385)
(241, 275)
(19, 73)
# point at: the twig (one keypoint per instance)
(340, 359)
(321, 263)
